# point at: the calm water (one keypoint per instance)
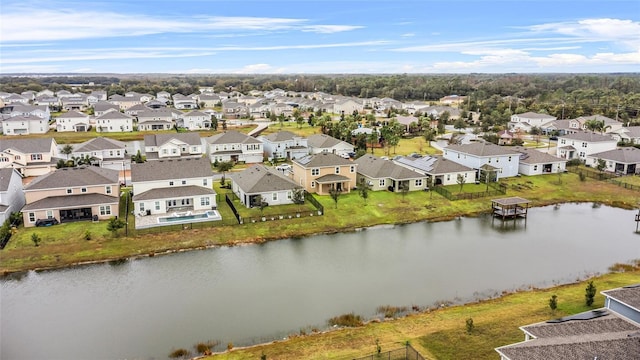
(143, 308)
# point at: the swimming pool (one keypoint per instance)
(177, 218)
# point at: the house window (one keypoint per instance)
(381, 182)
(289, 195)
(184, 182)
(141, 206)
(105, 210)
(204, 182)
(337, 169)
(418, 182)
(352, 169)
(36, 157)
(489, 160)
(83, 190)
(315, 171)
(274, 196)
(313, 184)
(535, 167)
(107, 189)
(165, 151)
(69, 191)
(49, 214)
(170, 183)
(204, 201)
(32, 217)
(448, 177)
(509, 158)
(157, 204)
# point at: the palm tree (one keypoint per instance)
(223, 167)
(67, 149)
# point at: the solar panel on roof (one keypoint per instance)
(582, 316)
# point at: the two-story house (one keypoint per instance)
(258, 184)
(171, 146)
(284, 145)
(11, 193)
(101, 107)
(580, 144)
(528, 120)
(31, 157)
(629, 134)
(155, 119)
(173, 191)
(319, 143)
(484, 157)
(382, 174)
(320, 173)
(235, 146)
(105, 152)
(72, 121)
(24, 125)
(114, 121)
(195, 120)
(72, 194)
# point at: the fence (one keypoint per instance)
(233, 208)
(406, 353)
(280, 216)
(591, 173)
(625, 185)
(314, 202)
(501, 189)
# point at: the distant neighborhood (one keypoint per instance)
(171, 174)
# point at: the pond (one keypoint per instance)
(248, 294)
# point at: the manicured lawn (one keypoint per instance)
(633, 180)
(441, 334)
(305, 130)
(406, 147)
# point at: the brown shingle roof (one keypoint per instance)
(73, 177)
(71, 201)
(259, 179)
(377, 168)
(322, 160)
(171, 169)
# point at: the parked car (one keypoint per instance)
(284, 167)
(553, 138)
(47, 222)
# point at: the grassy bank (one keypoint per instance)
(441, 334)
(65, 244)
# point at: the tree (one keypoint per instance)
(459, 124)
(601, 165)
(429, 135)
(262, 204)
(430, 184)
(335, 195)
(363, 190)
(223, 167)
(589, 293)
(460, 181)
(553, 302)
(36, 239)
(297, 196)
(469, 325)
(67, 149)
(137, 158)
(114, 225)
(404, 189)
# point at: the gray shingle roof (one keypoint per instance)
(98, 144)
(73, 114)
(322, 141)
(629, 295)
(260, 179)
(27, 146)
(232, 137)
(5, 178)
(71, 201)
(322, 160)
(377, 168)
(627, 155)
(173, 192)
(160, 139)
(433, 165)
(482, 149)
(72, 177)
(171, 169)
(533, 156)
(331, 178)
(533, 115)
(113, 115)
(281, 136)
(587, 136)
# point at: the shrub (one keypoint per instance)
(553, 302)
(179, 353)
(590, 293)
(204, 348)
(87, 235)
(229, 345)
(583, 177)
(390, 311)
(348, 320)
(469, 325)
(36, 239)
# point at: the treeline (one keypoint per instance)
(584, 94)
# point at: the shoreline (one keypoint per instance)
(261, 240)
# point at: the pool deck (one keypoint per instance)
(147, 221)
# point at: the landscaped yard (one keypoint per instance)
(305, 130)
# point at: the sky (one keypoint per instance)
(319, 37)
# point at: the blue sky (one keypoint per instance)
(319, 37)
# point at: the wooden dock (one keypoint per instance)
(510, 208)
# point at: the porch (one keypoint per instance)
(326, 183)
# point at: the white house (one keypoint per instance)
(171, 146)
(622, 161)
(184, 102)
(106, 153)
(11, 193)
(72, 121)
(529, 119)
(114, 121)
(319, 143)
(485, 156)
(630, 134)
(195, 120)
(155, 119)
(442, 171)
(580, 144)
(102, 107)
(536, 162)
(284, 145)
(24, 125)
(173, 191)
(235, 146)
(258, 183)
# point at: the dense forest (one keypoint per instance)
(495, 95)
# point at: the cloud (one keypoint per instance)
(621, 31)
(105, 54)
(408, 35)
(259, 69)
(330, 29)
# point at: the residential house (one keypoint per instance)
(167, 190)
(622, 161)
(505, 137)
(104, 152)
(45, 92)
(72, 194)
(528, 120)
(195, 120)
(485, 157)
(234, 110)
(24, 125)
(348, 106)
(208, 100)
(580, 144)
(31, 157)
(536, 162)
(440, 170)
(102, 107)
(406, 121)
(135, 109)
(629, 135)
(235, 146)
(48, 101)
(114, 121)
(163, 96)
(172, 146)
(14, 99)
(609, 124)
(76, 102)
(40, 111)
(612, 332)
(96, 95)
(284, 145)
(11, 193)
(72, 121)
(320, 173)
(280, 109)
(124, 102)
(319, 143)
(182, 102)
(155, 119)
(382, 174)
(259, 183)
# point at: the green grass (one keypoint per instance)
(305, 130)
